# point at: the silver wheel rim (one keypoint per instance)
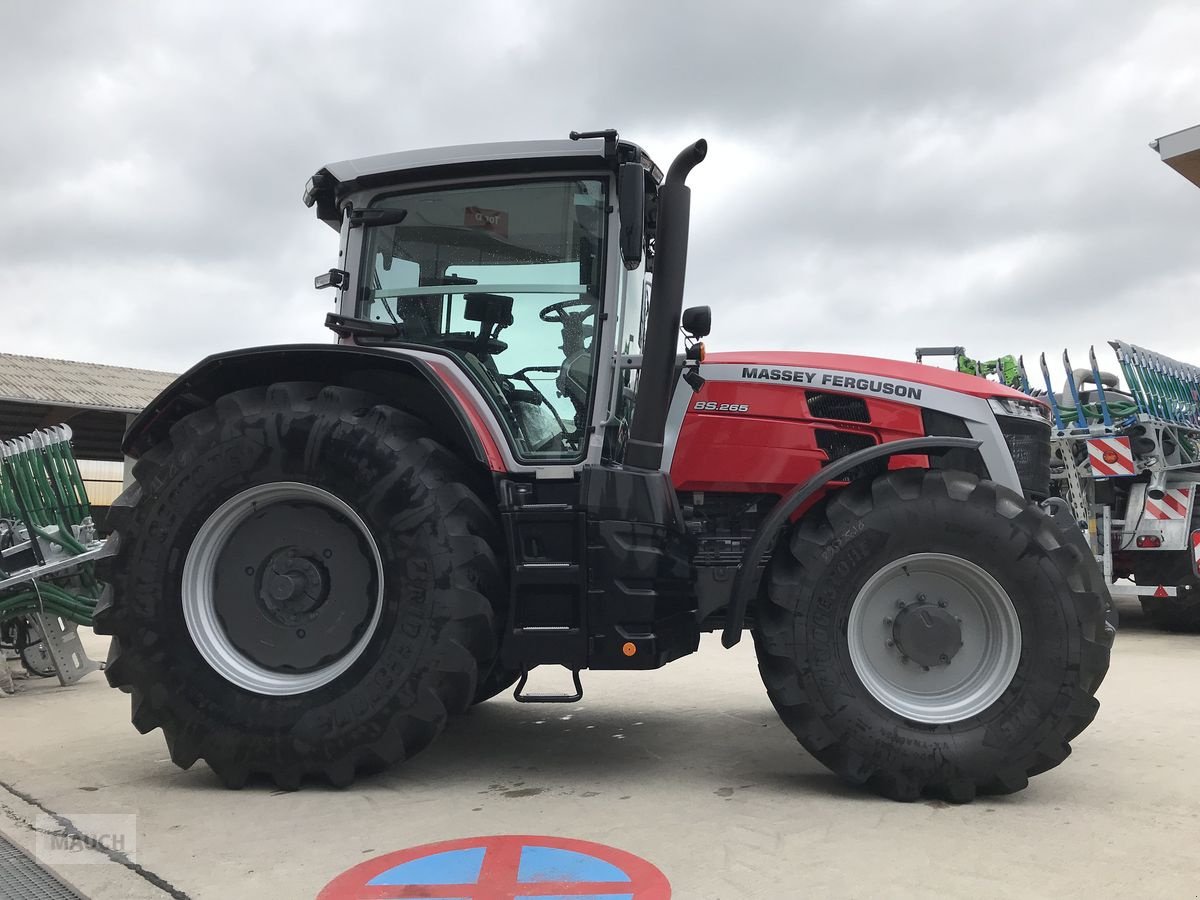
(938, 587)
(198, 596)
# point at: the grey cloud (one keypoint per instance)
(881, 174)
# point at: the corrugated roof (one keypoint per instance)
(61, 382)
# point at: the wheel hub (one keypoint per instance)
(933, 637)
(282, 588)
(927, 633)
(293, 586)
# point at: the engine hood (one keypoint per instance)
(871, 365)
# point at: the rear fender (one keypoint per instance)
(746, 581)
(406, 382)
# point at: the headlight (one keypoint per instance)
(1024, 409)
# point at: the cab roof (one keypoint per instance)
(333, 182)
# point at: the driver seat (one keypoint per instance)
(575, 382)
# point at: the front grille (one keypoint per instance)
(1029, 445)
(837, 406)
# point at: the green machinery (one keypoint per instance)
(1007, 369)
(48, 548)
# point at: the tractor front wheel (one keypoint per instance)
(929, 633)
(302, 586)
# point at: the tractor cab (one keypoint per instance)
(525, 265)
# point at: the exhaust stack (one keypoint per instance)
(644, 449)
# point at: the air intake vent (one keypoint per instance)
(837, 406)
(837, 444)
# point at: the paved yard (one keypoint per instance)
(688, 767)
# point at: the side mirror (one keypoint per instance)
(631, 202)
(697, 321)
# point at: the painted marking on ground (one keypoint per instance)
(503, 867)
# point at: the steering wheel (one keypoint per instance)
(560, 310)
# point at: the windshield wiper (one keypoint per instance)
(348, 326)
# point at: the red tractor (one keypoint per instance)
(505, 462)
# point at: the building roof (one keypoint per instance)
(60, 382)
(1181, 151)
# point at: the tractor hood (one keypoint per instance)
(871, 365)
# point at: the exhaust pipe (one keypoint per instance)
(656, 384)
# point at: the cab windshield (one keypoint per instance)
(507, 279)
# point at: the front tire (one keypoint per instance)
(929, 633)
(302, 586)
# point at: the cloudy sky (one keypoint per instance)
(881, 174)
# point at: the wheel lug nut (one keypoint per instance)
(944, 658)
(887, 620)
(890, 643)
(942, 604)
(920, 598)
(900, 604)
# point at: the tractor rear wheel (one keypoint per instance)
(495, 683)
(930, 633)
(302, 586)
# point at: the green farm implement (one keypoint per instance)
(48, 547)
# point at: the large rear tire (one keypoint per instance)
(929, 633)
(302, 586)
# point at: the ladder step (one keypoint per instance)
(522, 697)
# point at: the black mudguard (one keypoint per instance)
(404, 381)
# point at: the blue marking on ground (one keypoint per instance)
(553, 864)
(450, 867)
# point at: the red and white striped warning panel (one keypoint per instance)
(1111, 456)
(1172, 505)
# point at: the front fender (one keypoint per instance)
(746, 581)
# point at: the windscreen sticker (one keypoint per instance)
(493, 220)
(831, 380)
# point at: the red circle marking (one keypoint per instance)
(498, 877)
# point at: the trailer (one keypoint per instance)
(1125, 461)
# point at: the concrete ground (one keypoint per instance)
(688, 767)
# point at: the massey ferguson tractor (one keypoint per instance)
(505, 463)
